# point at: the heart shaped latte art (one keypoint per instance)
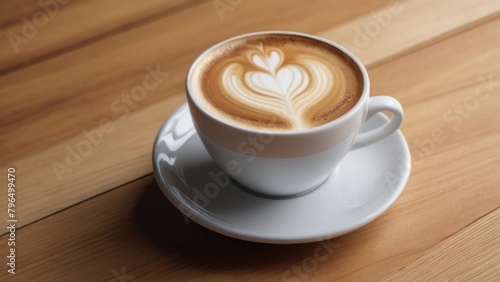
(287, 90)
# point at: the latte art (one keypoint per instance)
(288, 90)
(287, 83)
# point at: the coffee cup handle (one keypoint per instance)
(378, 104)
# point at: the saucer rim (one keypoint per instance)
(238, 232)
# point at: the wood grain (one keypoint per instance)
(371, 35)
(103, 241)
(105, 215)
(452, 181)
(135, 228)
(33, 31)
(123, 154)
(461, 257)
(96, 75)
(133, 133)
(412, 227)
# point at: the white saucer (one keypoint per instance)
(366, 184)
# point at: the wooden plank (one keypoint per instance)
(473, 254)
(371, 35)
(32, 31)
(454, 181)
(136, 231)
(60, 176)
(460, 170)
(453, 170)
(102, 244)
(81, 89)
(81, 85)
(109, 164)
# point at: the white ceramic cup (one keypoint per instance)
(287, 164)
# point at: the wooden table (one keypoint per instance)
(88, 207)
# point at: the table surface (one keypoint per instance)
(67, 69)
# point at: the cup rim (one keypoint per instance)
(359, 104)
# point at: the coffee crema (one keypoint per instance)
(276, 81)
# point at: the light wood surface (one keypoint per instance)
(106, 219)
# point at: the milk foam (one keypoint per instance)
(269, 84)
(283, 85)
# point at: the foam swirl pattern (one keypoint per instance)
(279, 83)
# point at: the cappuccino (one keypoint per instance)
(277, 81)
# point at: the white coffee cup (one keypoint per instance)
(292, 163)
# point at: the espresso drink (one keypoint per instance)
(276, 81)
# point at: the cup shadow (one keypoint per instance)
(166, 228)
